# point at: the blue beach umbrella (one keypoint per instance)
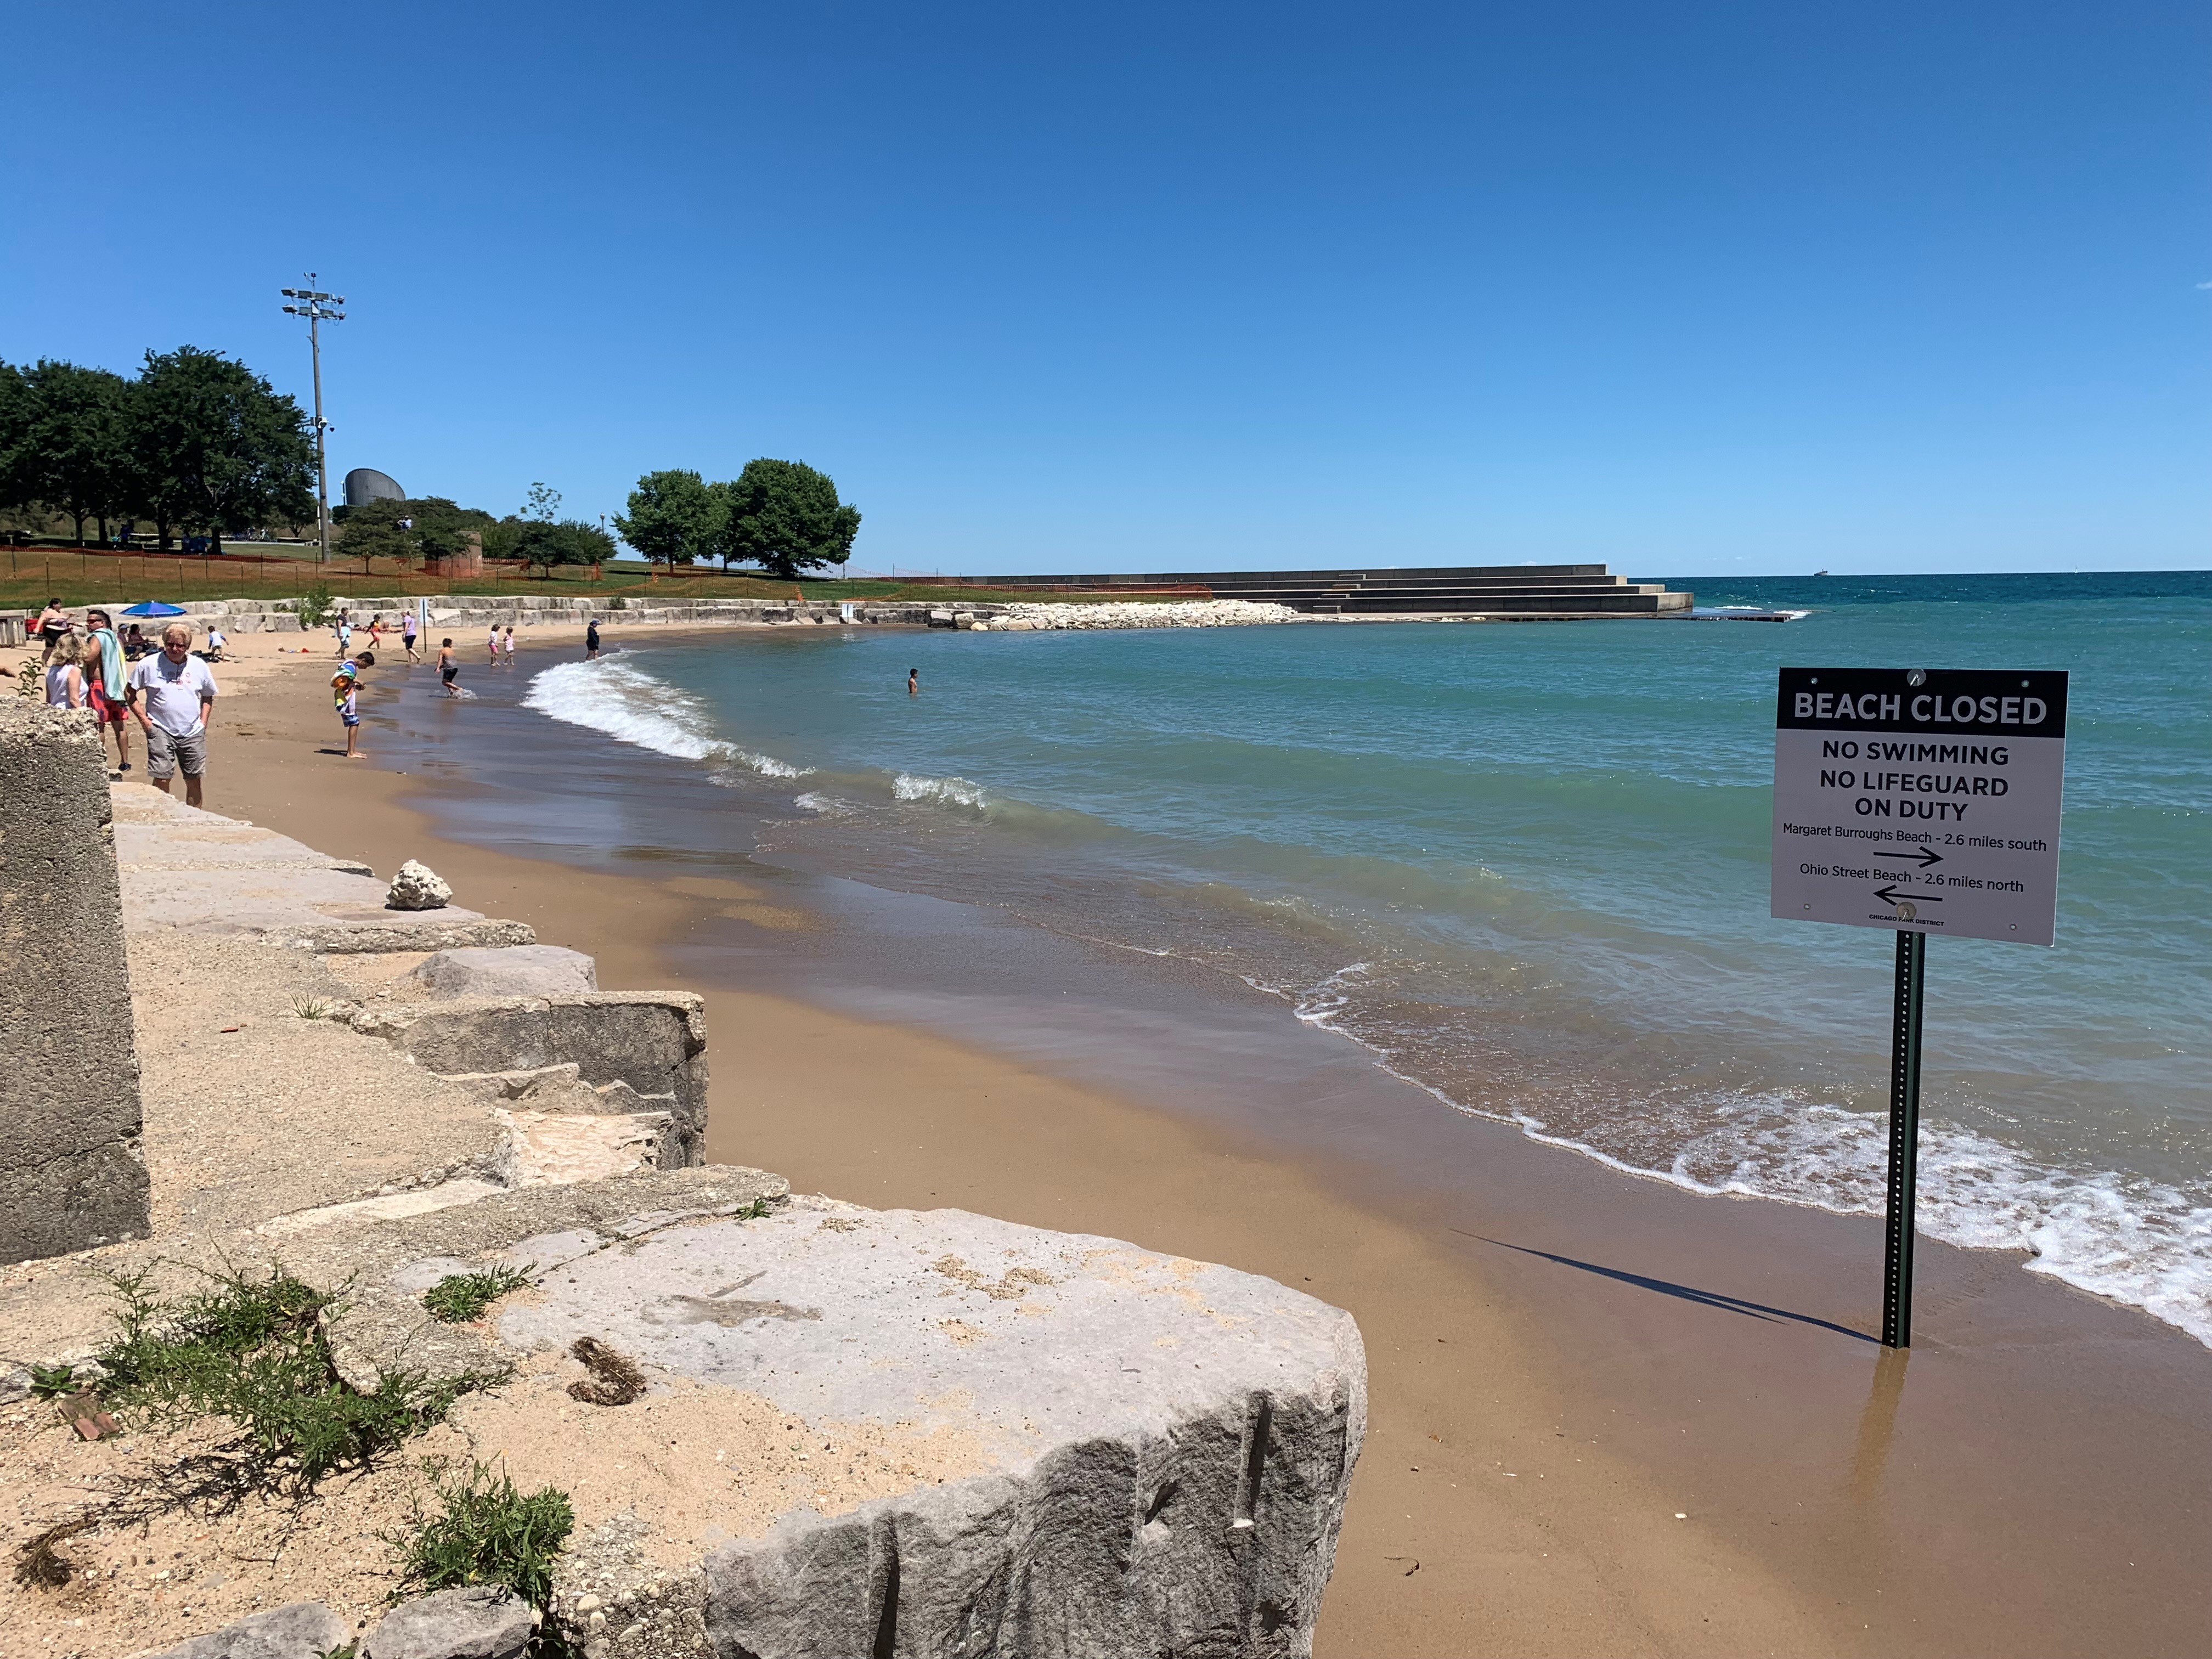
(155, 608)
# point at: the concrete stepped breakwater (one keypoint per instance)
(1528, 592)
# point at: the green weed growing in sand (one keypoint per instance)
(310, 1007)
(485, 1532)
(254, 1353)
(459, 1298)
(758, 1210)
(53, 1381)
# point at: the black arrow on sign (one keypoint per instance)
(1891, 896)
(1926, 855)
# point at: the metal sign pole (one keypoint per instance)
(1903, 1140)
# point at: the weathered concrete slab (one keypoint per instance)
(526, 970)
(1167, 1443)
(185, 868)
(72, 1175)
(655, 1041)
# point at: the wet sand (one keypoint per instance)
(1609, 1417)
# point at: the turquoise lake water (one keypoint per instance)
(1526, 865)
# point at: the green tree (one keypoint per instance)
(214, 446)
(380, 529)
(431, 527)
(64, 442)
(785, 517)
(673, 518)
(569, 541)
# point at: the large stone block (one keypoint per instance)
(478, 1622)
(302, 1629)
(528, 970)
(72, 1169)
(654, 1041)
(1158, 1450)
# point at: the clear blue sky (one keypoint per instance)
(1724, 288)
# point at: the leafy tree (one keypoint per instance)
(214, 446)
(544, 504)
(380, 529)
(673, 518)
(785, 516)
(404, 531)
(569, 541)
(63, 434)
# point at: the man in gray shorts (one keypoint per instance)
(176, 692)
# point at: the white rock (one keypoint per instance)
(417, 887)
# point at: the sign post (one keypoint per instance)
(1923, 801)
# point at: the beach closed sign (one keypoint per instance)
(1920, 799)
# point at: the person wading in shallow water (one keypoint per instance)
(914, 682)
(449, 669)
(591, 639)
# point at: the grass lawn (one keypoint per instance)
(29, 575)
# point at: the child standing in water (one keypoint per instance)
(449, 669)
(914, 682)
(506, 645)
(345, 691)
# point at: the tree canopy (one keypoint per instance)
(431, 527)
(674, 518)
(565, 541)
(213, 446)
(64, 442)
(782, 515)
(785, 517)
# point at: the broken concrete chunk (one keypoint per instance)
(304, 1630)
(654, 1041)
(526, 970)
(479, 1622)
(417, 887)
(541, 1149)
(1160, 1448)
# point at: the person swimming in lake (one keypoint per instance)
(914, 682)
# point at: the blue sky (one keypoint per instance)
(1716, 290)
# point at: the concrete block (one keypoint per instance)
(654, 1041)
(540, 1149)
(529, 970)
(72, 1174)
(1159, 1449)
(303, 1630)
(479, 1622)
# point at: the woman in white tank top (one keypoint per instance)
(64, 682)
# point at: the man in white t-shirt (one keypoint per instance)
(176, 694)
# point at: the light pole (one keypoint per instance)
(315, 307)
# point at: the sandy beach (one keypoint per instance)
(1609, 1417)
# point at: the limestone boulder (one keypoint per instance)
(478, 1622)
(418, 887)
(524, 970)
(303, 1630)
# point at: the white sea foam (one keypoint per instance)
(633, 706)
(956, 792)
(814, 801)
(2125, 1236)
